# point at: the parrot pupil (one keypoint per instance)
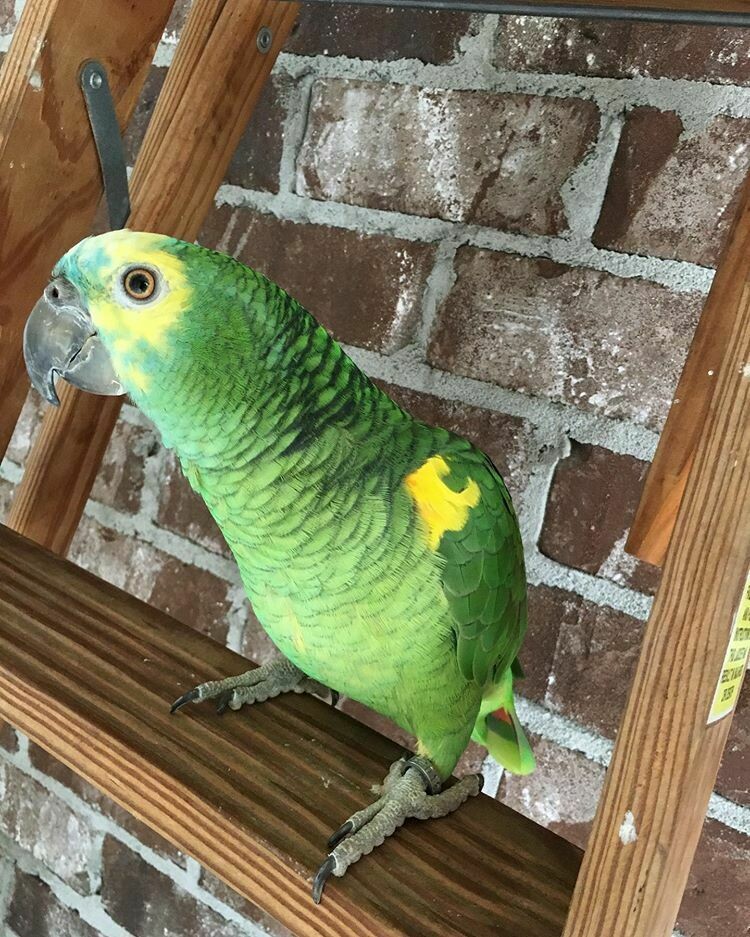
(139, 284)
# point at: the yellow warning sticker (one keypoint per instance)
(735, 661)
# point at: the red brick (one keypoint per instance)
(596, 653)
(469, 763)
(734, 775)
(256, 645)
(492, 159)
(95, 798)
(147, 903)
(40, 823)
(505, 439)
(609, 49)
(566, 333)
(257, 160)
(143, 112)
(592, 501)
(7, 17)
(6, 494)
(122, 560)
(184, 512)
(241, 905)
(384, 34)
(715, 900)
(550, 609)
(34, 911)
(671, 193)
(193, 596)
(177, 18)
(562, 794)
(120, 477)
(8, 738)
(378, 723)
(27, 427)
(366, 289)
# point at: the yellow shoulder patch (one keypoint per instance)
(439, 506)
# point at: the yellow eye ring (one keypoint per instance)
(139, 283)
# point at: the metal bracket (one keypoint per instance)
(109, 148)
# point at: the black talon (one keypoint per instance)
(222, 701)
(335, 697)
(341, 833)
(321, 877)
(186, 698)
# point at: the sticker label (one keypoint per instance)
(735, 662)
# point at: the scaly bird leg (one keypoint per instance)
(254, 686)
(411, 789)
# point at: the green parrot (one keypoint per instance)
(382, 555)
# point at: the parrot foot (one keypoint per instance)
(411, 789)
(254, 686)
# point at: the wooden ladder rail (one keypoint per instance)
(667, 754)
(213, 84)
(50, 183)
(667, 477)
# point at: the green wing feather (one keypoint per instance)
(484, 578)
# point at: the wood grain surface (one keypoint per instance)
(666, 757)
(88, 672)
(667, 477)
(213, 84)
(50, 182)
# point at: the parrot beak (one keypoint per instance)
(60, 338)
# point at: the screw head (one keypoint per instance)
(264, 40)
(95, 79)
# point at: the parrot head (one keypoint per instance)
(118, 309)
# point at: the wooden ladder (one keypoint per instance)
(73, 650)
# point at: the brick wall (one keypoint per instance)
(511, 223)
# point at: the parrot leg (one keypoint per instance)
(411, 789)
(254, 686)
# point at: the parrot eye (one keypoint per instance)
(139, 283)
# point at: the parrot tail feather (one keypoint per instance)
(500, 730)
(507, 742)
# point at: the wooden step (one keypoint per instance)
(88, 672)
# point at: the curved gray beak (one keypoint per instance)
(60, 339)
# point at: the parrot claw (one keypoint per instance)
(222, 702)
(254, 686)
(190, 697)
(341, 833)
(321, 877)
(412, 788)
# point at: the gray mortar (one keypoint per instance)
(696, 102)
(89, 906)
(438, 286)
(295, 125)
(6, 886)
(583, 191)
(567, 734)
(407, 368)
(572, 249)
